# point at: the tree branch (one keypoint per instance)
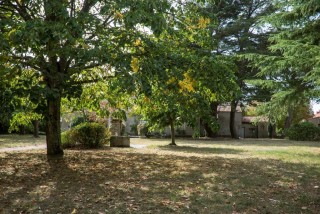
(87, 4)
(21, 10)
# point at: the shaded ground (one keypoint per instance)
(196, 177)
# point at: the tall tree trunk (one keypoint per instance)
(214, 112)
(173, 134)
(35, 124)
(289, 118)
(22, 130)
(233, 111)
(270, 130)
(53, 127)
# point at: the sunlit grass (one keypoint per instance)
(197, 176)
(286, 150)
(10, 141)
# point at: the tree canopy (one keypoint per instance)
(68, 43)
(291, 69)
(173, 53)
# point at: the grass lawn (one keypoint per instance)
(10, 141)
(198, 176)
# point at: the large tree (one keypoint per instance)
(239, 33)
(212, 72)
(232, 30)
(6, 99)
(292, 68)
(70, 42)
(192, 76)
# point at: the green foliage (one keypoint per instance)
(134, 129)
(213, 124)
(71, 43)
(25, 119)
(78, 120)
(292, 67)
(142, 129)
(298, 111)
(67, 139)
(87, 135)
(304, 131)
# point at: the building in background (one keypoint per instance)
(315, 119)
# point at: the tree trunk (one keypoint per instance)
(214, 112)
(233, 110)
(173, 134)
(35, 124)
(289, 118)
(209, 132)
(270, 130)
(22, 130)
(53, 129)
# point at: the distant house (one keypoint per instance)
(224, 119)
(315, 119)
(254, 127)
(245, 126)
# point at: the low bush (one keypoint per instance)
(142, 129)
(87, 135)
(67, 140)
(78, 120)
(304, 131)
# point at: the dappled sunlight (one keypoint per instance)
(183, 179)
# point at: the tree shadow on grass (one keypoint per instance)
(201, 150)
(112, 181)
(38, 184)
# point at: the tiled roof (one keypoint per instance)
(317, 115)
(251, 119)
(227, 108)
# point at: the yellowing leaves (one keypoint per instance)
(135, 65)
(187, 83)
(172, 80)
(137, 42)
(203, 22)
(118, 15)
(146, 99)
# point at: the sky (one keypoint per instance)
(315, 107)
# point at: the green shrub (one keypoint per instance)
(142, 129)
(67, 139)
(87, 135)
(304, 131)
(134, 129)
(78, 120)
